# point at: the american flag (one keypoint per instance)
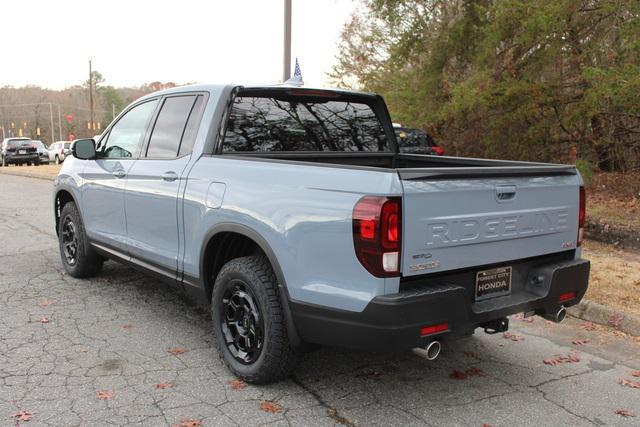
(297, 72)
(296, 80)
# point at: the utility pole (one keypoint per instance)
(286, 72)
(91, 95)
(59, 124)
(53, 136)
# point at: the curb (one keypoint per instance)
(615, 235)
(604, 315)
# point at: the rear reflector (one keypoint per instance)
(567, 296)
(428, 330)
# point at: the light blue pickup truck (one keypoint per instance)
(291, 212)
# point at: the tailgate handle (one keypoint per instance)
(505, 193)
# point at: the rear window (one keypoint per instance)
(18, 142)
(265, 124)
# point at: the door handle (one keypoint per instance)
(120, 173)
(169, 176)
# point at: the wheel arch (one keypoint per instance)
(211, 245)
(62, 197)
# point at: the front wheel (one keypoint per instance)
(57, 160)
(78, 258)
(248, 321)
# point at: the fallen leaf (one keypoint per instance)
(588, 326)
(23, 415)
(635, 374)
(369, 373)
(629, 383)
(178, 350)
(44, 320)
(512, 337)
(45, 302)
(463, 375)
(579, 342)
(105, 394)
(558, 359)
(162, 386)
(237, 384)
(187, 423)
(472, 354)
(486, 425)
(624, 413)
(271, 407)
(128, 326)
(615, 320)
(521, 317)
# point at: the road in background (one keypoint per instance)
(123, 349)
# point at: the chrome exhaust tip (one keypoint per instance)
(430, 352)
(558, 316)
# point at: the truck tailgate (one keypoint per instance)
(453, 222)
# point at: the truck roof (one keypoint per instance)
(221, 87)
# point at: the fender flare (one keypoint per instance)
(294, 337)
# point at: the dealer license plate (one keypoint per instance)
(493, 283)
(22, 151)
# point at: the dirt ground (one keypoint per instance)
(614, 199)
(615, 276)
(43, 171)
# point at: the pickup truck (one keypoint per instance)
(290, 213)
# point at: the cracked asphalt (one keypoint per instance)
(64, 343)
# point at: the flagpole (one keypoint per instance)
(286, 72)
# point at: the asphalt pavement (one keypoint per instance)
(124, 349)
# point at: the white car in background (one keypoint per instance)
(43, 152)
(59, 150)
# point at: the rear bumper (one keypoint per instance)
(394, 321)
(21, 158)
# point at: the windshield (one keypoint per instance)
(266, 124)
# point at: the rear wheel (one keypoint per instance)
(78, 258)
(248, 321)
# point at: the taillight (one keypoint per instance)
(377, 234)
(582, 214)
(62, 151)
(438, 150)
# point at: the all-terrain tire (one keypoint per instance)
(276, 359)
(86, 262)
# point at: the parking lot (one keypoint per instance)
(123, 349)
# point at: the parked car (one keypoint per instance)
(43, 152)
(416, 141)
(291, 212)
(19, 151)
(59, 150)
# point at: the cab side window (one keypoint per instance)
(170, 127)
(125, 136)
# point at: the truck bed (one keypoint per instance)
(419, 166)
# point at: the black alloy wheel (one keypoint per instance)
(69, 241)
(242, 323)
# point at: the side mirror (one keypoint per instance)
(84, 149)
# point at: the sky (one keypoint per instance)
(140, 41)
